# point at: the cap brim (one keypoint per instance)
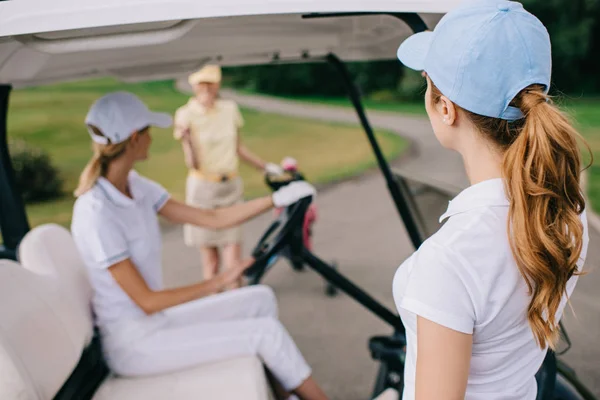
(413, 51)
(207, 80)
(160, 120)
(198, 78)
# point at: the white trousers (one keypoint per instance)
(236, 323)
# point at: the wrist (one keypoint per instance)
(220, 282)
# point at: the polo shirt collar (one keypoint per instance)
(489, 193)
(116, 196)
(196, 107)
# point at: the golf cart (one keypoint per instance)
(48, 348)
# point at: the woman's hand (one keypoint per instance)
(273, 169)
(293, 192)
(186, 133)
(150, 301)
(233, 275)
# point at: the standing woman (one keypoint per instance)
(208, 128)
(481, 299)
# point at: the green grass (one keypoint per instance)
(585, 112)
(52, 119)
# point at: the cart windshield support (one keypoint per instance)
(13, 219)
(397, 186)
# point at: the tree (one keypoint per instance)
(316, 79)
(574, 28)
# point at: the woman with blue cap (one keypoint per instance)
(148, 329)
(481, 298)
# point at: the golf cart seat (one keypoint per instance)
(49, 349)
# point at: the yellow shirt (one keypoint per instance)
(214, 134)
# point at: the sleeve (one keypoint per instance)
(153, 192)
(237, 115)
(103, 241)
(180, 122)
(439, 288)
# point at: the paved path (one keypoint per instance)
(359, 228)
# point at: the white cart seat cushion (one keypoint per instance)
(38, 348)
(240, 378)
(49, 250)
(12, 384)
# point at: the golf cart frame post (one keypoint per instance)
(397, 187)
(13, 218)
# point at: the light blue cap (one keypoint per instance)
(482, 54)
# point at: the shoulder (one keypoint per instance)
(152, 192)
(142, 183)
(437, 285)
(182, 112)
(136, 178)
(437, 255)
(184, 108)
(91, 202)
(227, 104)
(90, 210)
(475, 234)
(472, 247)
(447, 279)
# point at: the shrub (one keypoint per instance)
(412, 86)
(36, 178)
(313, 78)
(384, 96)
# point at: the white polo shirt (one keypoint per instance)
(109, 227)
(465, 278)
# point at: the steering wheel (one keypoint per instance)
(280, 234)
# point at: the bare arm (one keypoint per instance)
(130, 280)
(191, 161)
(180, 213)
(443, 362)
(248, 156)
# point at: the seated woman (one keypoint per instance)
(145, 328)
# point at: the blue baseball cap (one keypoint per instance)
(482, 54)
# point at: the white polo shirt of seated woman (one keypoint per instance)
(465, 278)
(109, 227)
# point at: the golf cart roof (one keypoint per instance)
(51, 41)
